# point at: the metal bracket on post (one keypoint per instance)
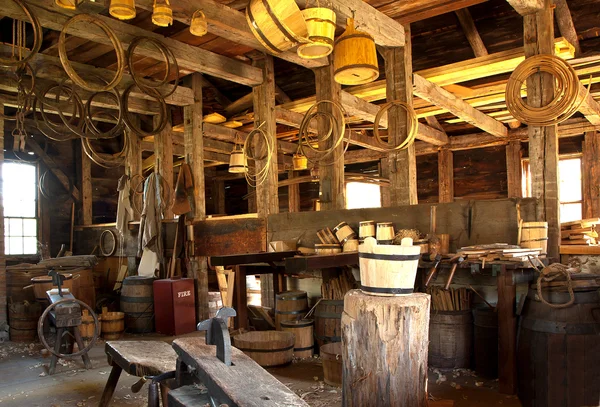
(217, 333)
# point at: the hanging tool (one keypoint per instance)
(432, 271)
(454, 260)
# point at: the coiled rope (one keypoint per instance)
(568, 96)
(265, 152)
(550, 273)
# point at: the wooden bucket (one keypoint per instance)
(366, 229)
(331, 356)
(557, 356)
(303, 331)
(137, 302)
(87, 327)
(486, 342)
(320, 22)
(355, 57)
(321, 248)
(351, 245)
(388, 270)
(277, 24)
(238, 163)
(113, 324)
(385, 233)
(23, 319)
(86, 290)
(328, 321)
(42, 284)
(343, 232)
(267, 348)
(18, 277)
(534, 235)
(450, 339)
(290, 306)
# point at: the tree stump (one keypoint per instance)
(385, 342)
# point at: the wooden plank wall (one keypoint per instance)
(491, 221)
(230, 236)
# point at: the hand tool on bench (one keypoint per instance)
(454, 260)
(432, 271)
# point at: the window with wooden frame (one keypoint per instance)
(19, 197)
(570, 184)
(362, 195)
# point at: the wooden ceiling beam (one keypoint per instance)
(385, 31)
(189, 57)
(227, 23)
(407, 12)
(525, 7)
(470, 30)
(563, 17)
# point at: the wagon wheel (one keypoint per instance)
(81, 352)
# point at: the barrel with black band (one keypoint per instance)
(267, 348)
(534, 235)
(137, 302)
(328, 325)
(303, 334)
(290, 306)
(388, 270)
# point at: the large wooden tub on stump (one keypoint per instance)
(385, 350)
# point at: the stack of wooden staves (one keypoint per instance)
(336, 288)
(454, 299)
(498, 251)
(581, 232)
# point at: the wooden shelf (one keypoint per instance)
(579, 249)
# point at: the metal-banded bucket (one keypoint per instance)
(320, 22)
(290, 306)
(534, 235)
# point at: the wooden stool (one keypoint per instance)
(138, 358)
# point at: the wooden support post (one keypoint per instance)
(134, 167)
(543, 141)
(331, 177)
(507, 332)
(267, 200)
(293, 194)
(3, 299)
(163, 151)
(468, 26)
(514, 169)
(591, 175)
(252, 200)
(446, 175)
(384, 360)
(194, 157)
(401, 166)
(218, 191)
(86, 189)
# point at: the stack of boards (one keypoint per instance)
(336, 288)
(580, 232)
(498, 251)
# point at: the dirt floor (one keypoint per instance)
(24, 382)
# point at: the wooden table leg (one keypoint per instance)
(241, 298)
(86, 358)
(57, 345)
(110, 387)
(507, 332)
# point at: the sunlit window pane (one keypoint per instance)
(16, 227)
(570, 212)
(362, 195)
(29, 227)
(570, 180)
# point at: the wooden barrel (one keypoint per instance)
(42, 284)
(22, 319)
(366, 229)
(320, 22)
(87, 327)
(113, 324)
(277, 24)
(388, 270)
(290, 306)
(355, 57)
(486, 342)
(86, 290)
(267, 348)
(450, 339)
(328, 321)
(558, 353)
(137, 302)
(18, 277)
(303, 331)
(534, 235)
(385, 233)
(351, 245)
(331, 356)
(343, 232)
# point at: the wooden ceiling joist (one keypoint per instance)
(441, 97)
(227, 23)
(563, 17)
(525, 7)
(188, 57)
(468, 26)
(407, 12)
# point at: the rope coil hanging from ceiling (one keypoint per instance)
(412, 125)
(259, 148)
(568, 96)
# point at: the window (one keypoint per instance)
(362, 195)
(19, 194)
(571, 196)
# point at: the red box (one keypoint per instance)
(174, 306)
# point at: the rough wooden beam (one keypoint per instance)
(514, 169)
(525, 7)
(220, 97)
(163, 153)
(188, 57)
(468, 26)
(227, 23)
(293, 193)
(55, 168)
(441, 97)
(133, 167)
(589, 107)
(239, 105)
(194, 148)
(565, 24)
(407, 12)
(591, 175)
(446, 175)
(86, 188)
(3, 285)
(384, 29)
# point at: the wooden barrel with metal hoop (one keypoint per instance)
(267, 348)
(277, 24)
(534, 235)
(328, 321)
(303, 334)
(355, 57)
(137, 302)
(22, 319)
(320, 22)
(343, 232)
(290, 306)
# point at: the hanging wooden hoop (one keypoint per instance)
(101, 243)
(412, 126)
(155, 85)
(37, 37)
